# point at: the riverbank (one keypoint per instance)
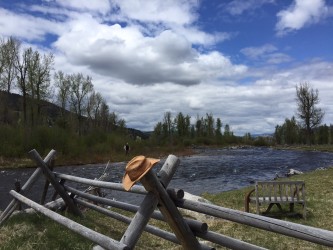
(37, 232)
(62, 160)
(156, 152)
(321, 148)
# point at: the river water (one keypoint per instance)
(211, 170)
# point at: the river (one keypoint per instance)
(211, 170)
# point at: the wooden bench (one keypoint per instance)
(277, 193)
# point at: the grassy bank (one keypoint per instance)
(93, 158)
(303, 147)
(116, 154)
(37, 232)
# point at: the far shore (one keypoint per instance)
(12, 163)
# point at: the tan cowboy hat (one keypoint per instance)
(136, 169)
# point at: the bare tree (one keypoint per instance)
(39, 73)
(309, 114)
(8, 54)
(167, 123)
(122, 125)
(80, 88)
(21, 64)
(43, 80)
(62, 83)
(104, 117)
(93, 107)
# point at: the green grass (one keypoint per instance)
(34, 231)
(319, 197)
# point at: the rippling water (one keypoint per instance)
(211, 170)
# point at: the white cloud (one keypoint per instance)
(238, 7)
(125, 53)
(267, 53)
(300, 14)
(180, 12)
(256, 52)
(149, 60)
(97, 6)
(26, 27)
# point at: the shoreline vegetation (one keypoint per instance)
(156, 152)
(61, 160)
(34, 231)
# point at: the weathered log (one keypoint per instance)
(315, 235)
(150, 229)
(26, 187)
(46, 185)
(59, 188)
(55, 194)
(226, 241)
(96, 237)
(168, 170)
(176, 193)
(193, 224)
(102, 184)
(170, 212)
(148, 205)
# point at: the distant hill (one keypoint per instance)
(51, 110)
(14, 102)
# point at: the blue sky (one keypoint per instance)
(238, 60)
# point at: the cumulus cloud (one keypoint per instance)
(125, 53)
(143, 59)
(300, 14)
(154, 43)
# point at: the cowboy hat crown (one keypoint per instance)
(136, 169)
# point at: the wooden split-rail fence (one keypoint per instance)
(186, 232)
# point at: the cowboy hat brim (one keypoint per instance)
(128, 183)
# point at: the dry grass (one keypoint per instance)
(38, 232)
(319, 186)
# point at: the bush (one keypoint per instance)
(11, 142)
(260, 142)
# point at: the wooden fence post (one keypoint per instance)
(47, 183)
(170, 212)
(141, 218)
(59, 188)
(148, 205)
(29, 183)
(18, 189)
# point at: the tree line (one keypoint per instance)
(306, 129)
(30, 73)
(81, 111)
(85, 123)
(205, 130)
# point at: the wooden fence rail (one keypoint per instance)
(312, 234)
(186, 232)
(26, 187)
(98, 238)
